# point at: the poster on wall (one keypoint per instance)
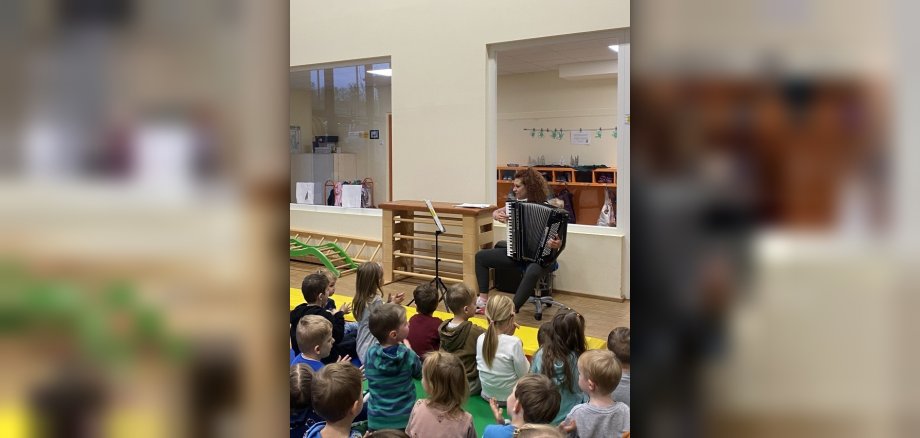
(581, 137)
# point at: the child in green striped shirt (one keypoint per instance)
(390, 368)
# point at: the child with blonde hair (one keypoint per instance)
(368, 296)
(500, 355)
(599, 374)
(314, 338)
(442, 414)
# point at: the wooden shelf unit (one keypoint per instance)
(407, 222)
(587, 190)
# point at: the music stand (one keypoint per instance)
(436, 281)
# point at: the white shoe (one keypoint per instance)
(481, 305)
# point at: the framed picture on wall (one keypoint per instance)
(375, 134)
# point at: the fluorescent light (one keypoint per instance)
(382, 72)
(615, 48)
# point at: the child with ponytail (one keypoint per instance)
(500, 355)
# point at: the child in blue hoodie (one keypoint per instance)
(390, 368)
(337, 398)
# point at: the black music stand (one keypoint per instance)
(436, 281)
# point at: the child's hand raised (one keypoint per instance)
(567, 426)
(407, 344)
(398, 299)
(496, 411)
(346, 308)
(344, 359)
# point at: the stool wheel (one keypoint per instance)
(538, 316)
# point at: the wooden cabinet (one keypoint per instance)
(587, 187)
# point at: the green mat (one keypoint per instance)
(476, 406)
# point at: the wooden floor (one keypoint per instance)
(601, 316)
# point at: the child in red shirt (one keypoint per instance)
(423, 328)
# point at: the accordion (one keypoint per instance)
(530, 227)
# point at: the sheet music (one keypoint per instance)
(434, 215)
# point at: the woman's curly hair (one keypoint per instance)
(534, 183)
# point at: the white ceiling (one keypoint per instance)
(544, 54)
(549, 56)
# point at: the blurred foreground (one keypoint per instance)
(773, 237)
(141, 197)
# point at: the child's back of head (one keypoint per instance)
(367, 286)
(538, 397)
(538, 431)
(459, 299)
(444, 379)
(384, 319)
(313, 286)
(600, 367)
(618, 343)
(312, 332)
(499, 311)
(337, 391)
(566, 338)
(301, 379)
(426, 298)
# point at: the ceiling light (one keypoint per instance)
(382, 72)
(615, 48)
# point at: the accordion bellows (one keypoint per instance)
(530, 227)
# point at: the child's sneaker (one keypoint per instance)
(481, 305)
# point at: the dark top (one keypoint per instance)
(423, 333)
(338, 328)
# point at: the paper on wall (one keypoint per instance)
(351, 195)
(304, 192)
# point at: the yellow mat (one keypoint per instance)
(527, 334)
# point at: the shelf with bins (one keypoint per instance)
(586, 186)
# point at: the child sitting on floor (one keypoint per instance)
(599, 373)
(442, 414)
(337, 398)
(390, 367)
(367, 297)
(314, 293)
(350, 327)
(314, 339)
(558, 359)
(302, 415)
(459, 335)
(534, 399)
(423, 328)
(500, 355)
(618, 343)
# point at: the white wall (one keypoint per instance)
(589, 264)
(439, 54)
(543, 100)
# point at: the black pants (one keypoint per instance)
(498, 258)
